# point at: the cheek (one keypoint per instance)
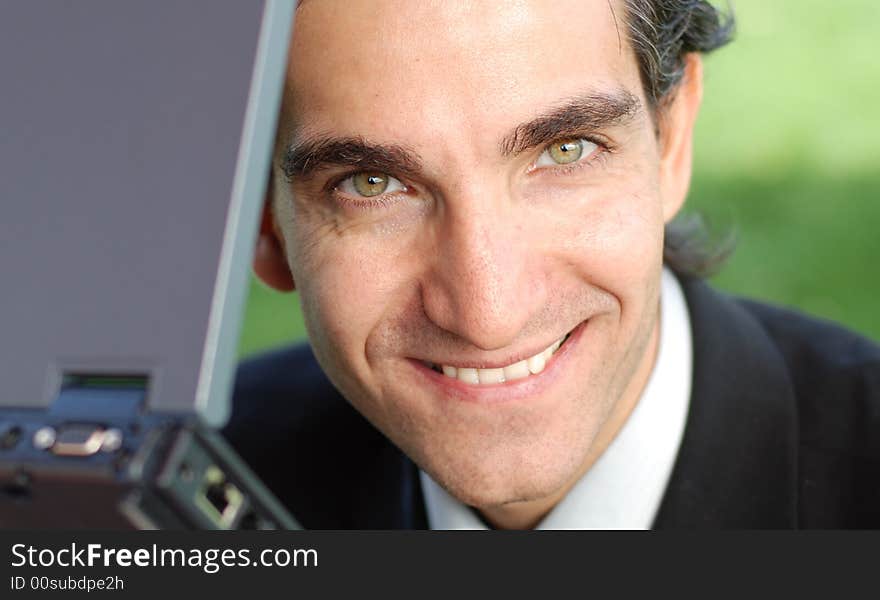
(340, 301)
(346, 284)
(613, 235)
(628, 235)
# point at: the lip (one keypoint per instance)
(509, 390)
(497, 364)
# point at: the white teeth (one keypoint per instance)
(518, 370)
(491, 375)
(537, 363)
(468, 375)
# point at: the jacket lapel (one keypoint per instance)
(737, 465)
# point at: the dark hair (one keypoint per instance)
(661, 33)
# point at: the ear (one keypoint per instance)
(677, 121)
(270, 261)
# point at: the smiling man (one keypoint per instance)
(474, 202)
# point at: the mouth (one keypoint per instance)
(522, 369)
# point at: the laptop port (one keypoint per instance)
(220, 500)
(9, 436)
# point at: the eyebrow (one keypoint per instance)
(589, 112)
(584, 113)
(302, 159)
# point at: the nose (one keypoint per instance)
(485, 284)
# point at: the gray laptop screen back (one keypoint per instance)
(134, 147)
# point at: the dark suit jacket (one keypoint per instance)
(783, 431)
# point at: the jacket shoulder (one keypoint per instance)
(835, 374)
(297, 433)
(283, 388)
(814, 339)
(784, 421)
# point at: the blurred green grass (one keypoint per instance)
(787, 153)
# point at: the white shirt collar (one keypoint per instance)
(625, 486)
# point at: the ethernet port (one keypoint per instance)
(220, 500)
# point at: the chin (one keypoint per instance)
(508, 475)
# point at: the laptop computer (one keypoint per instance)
(134, 154)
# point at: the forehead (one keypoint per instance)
(401, 67)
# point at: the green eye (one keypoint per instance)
(370, 184)
(566, 151)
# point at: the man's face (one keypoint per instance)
(468, 184)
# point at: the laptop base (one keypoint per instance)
(95, 462)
